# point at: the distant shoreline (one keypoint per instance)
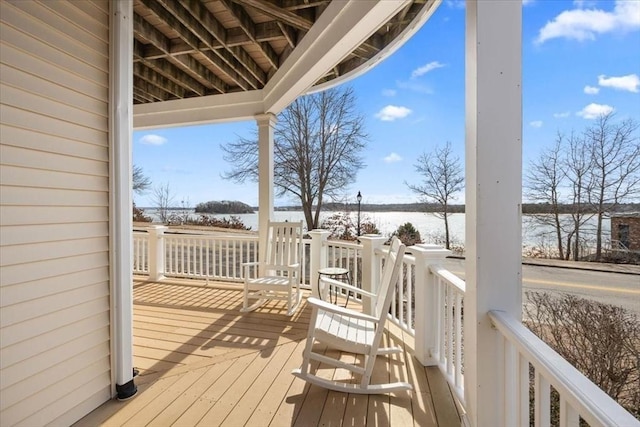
(527, 208)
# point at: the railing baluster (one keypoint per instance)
(206, 259)
(523, 391)
(235, 259)
(200, 257)
(568, 415)
(441, 315)
(169, 254)
(189, 258)
(400, 285)
(182, 256)
(510, 383)
(542, 407)
(458, 340)
(219, 260)
(410, 300)
(228, 258)
(449, 314)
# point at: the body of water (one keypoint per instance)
(429, 225)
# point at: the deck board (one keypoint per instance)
(203, 362)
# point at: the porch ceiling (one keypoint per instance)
(186, 49)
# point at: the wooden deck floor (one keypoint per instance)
(204, 363)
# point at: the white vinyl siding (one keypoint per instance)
(54, 210)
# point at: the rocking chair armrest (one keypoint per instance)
(346, 286)
(326, 306)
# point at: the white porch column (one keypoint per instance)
(266, 123)
(157, 254)
(318, 257)
(493, 196)
(370, 267)
(120, 203)
(426, 303)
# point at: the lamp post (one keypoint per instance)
(359, 199)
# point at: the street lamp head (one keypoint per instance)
(359, 197)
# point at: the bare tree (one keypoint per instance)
(578, 166)
(317, 150)
(163, 199)
(615, 152)
(545, 179)
(442, 178)
(141, 182)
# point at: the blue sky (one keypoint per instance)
(580, 59)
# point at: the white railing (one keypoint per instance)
(197, 255)
(140, 252)
(449, 290)
(578, 397)
(403, 305)
(345, 255)
(213, 256)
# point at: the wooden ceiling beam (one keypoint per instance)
(202, 23)
(141, 96)
(246, 23)
(278, 13)
(205, 23)
(151, 90)
(175, 74)
(366, 50)
(200, 72)
(289, 33)
(236, 36)
(148, 32)
(165, 66)
(158, 80)
(295, 4)
(192, 40)
(162, 45)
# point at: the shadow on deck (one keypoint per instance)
(202, 362)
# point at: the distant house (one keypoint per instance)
(625, 231)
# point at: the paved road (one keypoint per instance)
(609, 287)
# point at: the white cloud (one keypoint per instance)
(389, 92)
(593, 111)
(591, 90)
(456, 4)
(536, 123)
(582, 4)
(392, 158)
(152, 139)
(629, 83)
(414, 86)
(426, 68)
(584, 24)
(562, 115)
(392, 112)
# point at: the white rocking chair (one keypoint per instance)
(354, 332)
(279, 273)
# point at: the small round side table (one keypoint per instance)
(334, 273)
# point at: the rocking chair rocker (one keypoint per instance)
(354, 332)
